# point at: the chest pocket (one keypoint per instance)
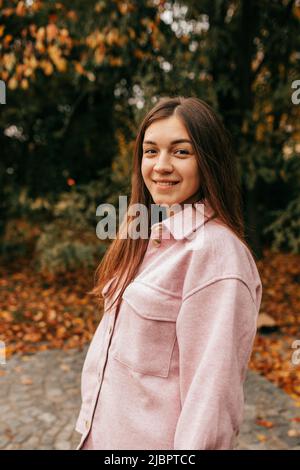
(146, 332)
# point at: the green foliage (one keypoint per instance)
(70, 241)
(285, 228)
(77, 207)
(18, 239)
(58, 251)
(81, 76)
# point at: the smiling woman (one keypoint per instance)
(169, 164)
(166, 366)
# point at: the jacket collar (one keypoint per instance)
(186, 221)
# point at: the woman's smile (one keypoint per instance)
(169, 164)
(165, 184)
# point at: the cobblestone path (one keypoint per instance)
(40, 401)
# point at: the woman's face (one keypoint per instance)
(168, 156)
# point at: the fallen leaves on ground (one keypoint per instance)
(274, 353)
(39, 312)
(264, 423)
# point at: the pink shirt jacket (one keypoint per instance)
(168, 371)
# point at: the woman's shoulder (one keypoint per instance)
(220, 254)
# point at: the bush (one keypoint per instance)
(57, 251)
(285, 228)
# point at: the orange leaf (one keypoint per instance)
(265, 423)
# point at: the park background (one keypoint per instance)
(79, 76)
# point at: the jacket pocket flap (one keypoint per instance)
(151, 302)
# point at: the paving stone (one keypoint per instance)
(32, 416)
(62, 445)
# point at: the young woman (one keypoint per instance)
(167, 363)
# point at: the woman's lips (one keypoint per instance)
(165, 185)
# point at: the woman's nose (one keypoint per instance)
(163, 162)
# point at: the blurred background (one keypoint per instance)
(79, 77)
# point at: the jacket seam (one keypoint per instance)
(146, 315)
(159, 289)
(216, 279)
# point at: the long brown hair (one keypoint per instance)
(219, 185)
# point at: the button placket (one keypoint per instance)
(100, 373)
(157, 231)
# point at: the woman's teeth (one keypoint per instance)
(165, 184)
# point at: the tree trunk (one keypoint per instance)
(252, 222)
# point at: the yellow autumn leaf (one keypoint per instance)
(7, 39)
(91, 76)
(53, 52)
(31, 62)
(79, 69)
(139, 54)
(296, 11)
(61, 64)
(8, 11)
(60, 332)
(26, 380)
(64, 32)
(78, 322)
(261, 437)
(116, 61)
(112, 36)
(99, 7)
(4, 75)
(55, 55)
(5, 315)
(32, 29)
(99, 55)
(21, 9)
(46, 66)
(123, 7)
(94, 39)
(13, 83)
(40, 46)
(131, 33)
(19, 70)
(28, 71)
(41, 32)
(51, 31)
(72, 15)
(24, 84)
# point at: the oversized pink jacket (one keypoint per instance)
(168, 371)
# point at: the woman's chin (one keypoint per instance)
(164, 200)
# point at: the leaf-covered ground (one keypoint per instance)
(40, 312)
(275, 354)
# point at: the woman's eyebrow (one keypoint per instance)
(177, 141)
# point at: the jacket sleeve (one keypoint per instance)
(216, 328)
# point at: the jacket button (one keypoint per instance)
(156, 241)
(110, 329)
(87, 424)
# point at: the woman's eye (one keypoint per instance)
(183, 152)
